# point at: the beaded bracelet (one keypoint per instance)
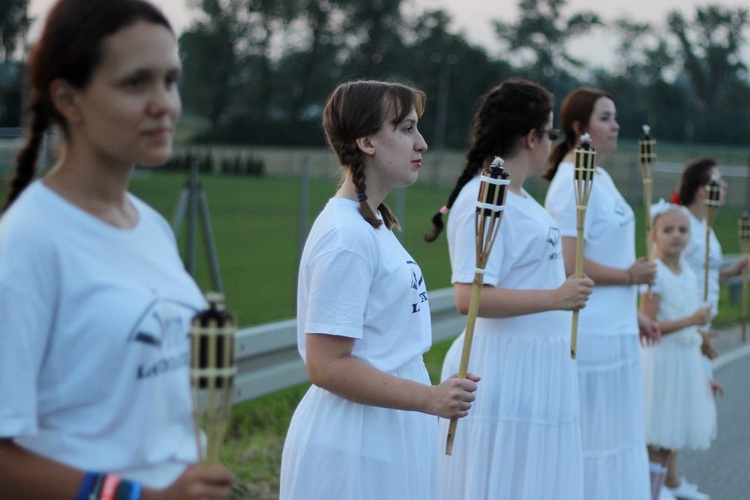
(97, 486)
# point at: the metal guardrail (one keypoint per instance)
(268, 360)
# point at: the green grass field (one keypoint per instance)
(256, 224)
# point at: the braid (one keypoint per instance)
(388, 217)
(357, 167)
(27, 157)
(437, 220)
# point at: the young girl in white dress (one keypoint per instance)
(522, 438)
(609, 361)
(678, 400)
(367, 428)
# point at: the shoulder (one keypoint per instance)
(340, 227)
(31, 218)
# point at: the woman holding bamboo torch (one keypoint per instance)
(367, 429)
(522, 437)
(94, 299)
(609, 366)
(691, 193)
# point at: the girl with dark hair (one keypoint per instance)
(609, 361)
(692, 194)
(94, 300)
(522, 438)
(366, 428)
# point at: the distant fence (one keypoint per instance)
(441, 168)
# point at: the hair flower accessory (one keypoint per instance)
(661, 207)
(676, 198)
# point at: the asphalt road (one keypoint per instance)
(723, 471)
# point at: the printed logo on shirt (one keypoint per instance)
(417, 283)
(553, 238)
(623, 210)
(164, 325)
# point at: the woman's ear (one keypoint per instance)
(365, 145)
(64, 98)
(531, 138)
(578, 129)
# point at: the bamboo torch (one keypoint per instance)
(583, 177)
(212, 371)
(744, 223)
(647, 157)
(490, 205)
(711, 201)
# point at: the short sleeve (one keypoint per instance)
(23, 338)
(561, 204)
(339, 286)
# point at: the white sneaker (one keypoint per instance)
(684, 492)
(687, 484)
(665, 494)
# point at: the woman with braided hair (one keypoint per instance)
(94, 299)
(522, 437)
(367, 429)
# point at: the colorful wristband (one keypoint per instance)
(109, 487)
(87, 486)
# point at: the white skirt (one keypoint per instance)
(337, 449)
(614, 444)
(521, 439)
(679, 407)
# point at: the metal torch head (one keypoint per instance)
(647, 153)
(493, 190)
(744, 228)
(212, 346)
(585, 160)
(712, 200)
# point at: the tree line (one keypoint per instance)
(259, 71)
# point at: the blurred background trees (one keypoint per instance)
(259, 71)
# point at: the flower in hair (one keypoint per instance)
(676, 198)
(444, 209)
(661, 207)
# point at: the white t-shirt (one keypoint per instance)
(357, 281)
(527, 255)
(94, 349)
(609, 234)
(695, 255)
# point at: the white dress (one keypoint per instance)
(521, 439)
(359, 282)
(609, 360)
(679, 407)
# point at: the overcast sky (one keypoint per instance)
(473, 17)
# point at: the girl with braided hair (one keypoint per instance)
(94, 299)
(522, 437)
(367, 429)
